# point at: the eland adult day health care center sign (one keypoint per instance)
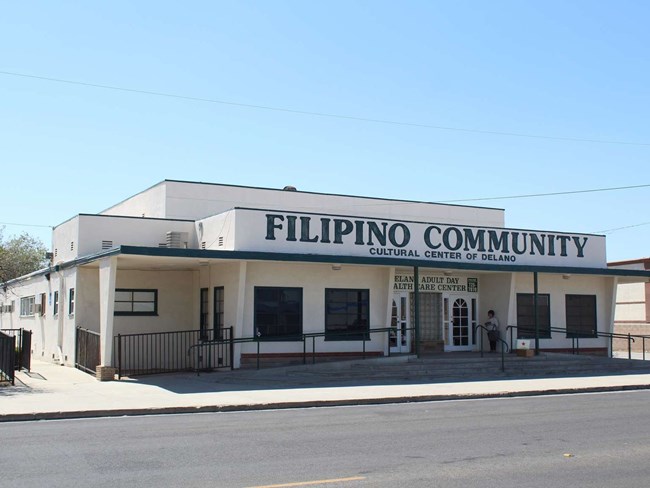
(307, 233)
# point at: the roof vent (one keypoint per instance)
(177, 240)
(289, 188)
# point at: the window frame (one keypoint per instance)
(289, 337)
(124, 313)
(27, 306)
(348, 335)
(71, 299)
(594, 313)
(218, 309)
(204, 304)
(55, 304)
(544, 329)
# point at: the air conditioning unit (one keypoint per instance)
(177, 240)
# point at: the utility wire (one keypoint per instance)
(25, 225)
(393, 203)
(533, 195)
(608, 231)
(323, 114)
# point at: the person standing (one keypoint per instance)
(492, 326)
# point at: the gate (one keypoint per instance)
(7, 357)
(23, 347)
(87, 350)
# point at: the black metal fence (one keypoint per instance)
(167, 352)
(23, 347)
(7, 357)
(87, 350)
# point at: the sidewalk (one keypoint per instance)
(54, 392)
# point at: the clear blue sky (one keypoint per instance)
(578, 70)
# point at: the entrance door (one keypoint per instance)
(400, 336)
(460, 320)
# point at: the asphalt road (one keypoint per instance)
(597, 440)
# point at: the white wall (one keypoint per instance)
(177, 300)
(494, 294)
(218, 231)
(196, 201)
(558, 287)
(53, 336)
(313, 279)
(65, 241)
(94, 229)
(148, 203)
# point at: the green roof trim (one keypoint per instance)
(372, 261)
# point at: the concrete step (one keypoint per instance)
(475, 367)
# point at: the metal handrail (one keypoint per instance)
(302, 337)
(504, 343)
(575, 338)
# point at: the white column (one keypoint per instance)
(389, 303)
(239, 320)
(107, 272)
(613, 282)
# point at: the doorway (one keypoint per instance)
(460, 320)
(400, 333)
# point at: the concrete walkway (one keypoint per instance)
(54, 392)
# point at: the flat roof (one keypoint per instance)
(644, 275)
(298, 191)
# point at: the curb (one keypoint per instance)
(133, 412)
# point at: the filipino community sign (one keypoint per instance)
(259, 230)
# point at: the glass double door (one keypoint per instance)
(400, 333)
(460, 320)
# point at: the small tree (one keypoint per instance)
(20, 255)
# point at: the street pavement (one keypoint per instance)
(51, 391)
(591, 441)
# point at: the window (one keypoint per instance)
(71, 302)
(218, 311)
(129, 301)
(526, 315)
(203, 324)
(278, 313)
(27, 306)
(346, 314)
(55, 304)
(581, 316)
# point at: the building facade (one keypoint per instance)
(279, 265)
(632, 305)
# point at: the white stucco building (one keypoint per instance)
(632, 304)
(277, 265)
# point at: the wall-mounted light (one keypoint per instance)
(447, 273)
(336, 267)
(566, 276)
(203, 263)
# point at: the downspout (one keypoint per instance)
(536, 307)
(416, 308)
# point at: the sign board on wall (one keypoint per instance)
(438, 284)
(302, 233)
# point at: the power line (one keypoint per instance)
(25, 225)
(323, 114)
(393, 203)
(533, 195)
(608, 231)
